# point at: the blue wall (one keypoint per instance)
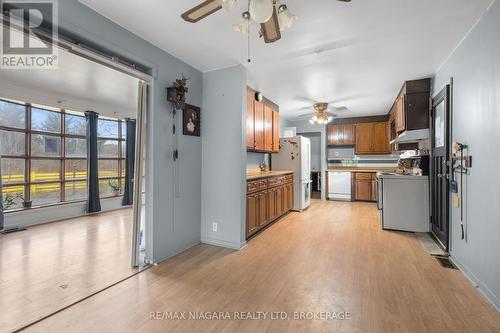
(172, 217)
(475, 68)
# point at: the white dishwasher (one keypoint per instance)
(339, 185)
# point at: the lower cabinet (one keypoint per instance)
(268, 200)
(365, 186)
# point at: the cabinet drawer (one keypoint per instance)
(256, 185)
(276, 181)
(363, 175)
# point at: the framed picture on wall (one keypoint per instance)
(191, 120)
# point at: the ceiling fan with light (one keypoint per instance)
(322, 113)
(272, 15)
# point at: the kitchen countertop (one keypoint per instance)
(251, 174)
(362, 169)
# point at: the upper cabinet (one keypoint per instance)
(341, 135)
(372, 138)
(263, 125)
(411, 108)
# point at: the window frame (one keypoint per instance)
(120, 139)
(62, 158)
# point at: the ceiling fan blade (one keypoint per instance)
(271, 29)
(305, 115)
(201, 11)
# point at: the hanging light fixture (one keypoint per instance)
(261, 10)
(244, 25)
(227, 4)
(285, 18)
(320, 116)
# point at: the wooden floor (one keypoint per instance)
(332, 257)
(50, 266)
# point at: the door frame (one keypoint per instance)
(446, 95)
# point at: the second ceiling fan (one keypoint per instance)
(272, 15)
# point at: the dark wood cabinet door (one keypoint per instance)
(280, 209)
(276, 132)
(349, 135)
(380, 138)
(289, 200)
(262, 217)
(364, 138)
(335, 135)
(250, 120)
(272, 213)
(259, 125)
(268, 129)
(252, 223)
(362, 189)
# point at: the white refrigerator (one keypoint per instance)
(295, 155)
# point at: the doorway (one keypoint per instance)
(316, 178)
(440, 166)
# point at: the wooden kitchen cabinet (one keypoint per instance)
(250, 120)
(412, 106)
(259, 126)
(263, 129)
(268, 128)
(252, 224)
(268, 199)
(400, 114)
(276, 131)
(372, 138)
(341, 135)
(365, 186)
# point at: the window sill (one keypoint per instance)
(18, 210)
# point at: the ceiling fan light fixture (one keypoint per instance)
(285, 18)
(261, 10)
(227, 4)
(244, 25)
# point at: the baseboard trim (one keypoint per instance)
(483, 288)
(222, 243)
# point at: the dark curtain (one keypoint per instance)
(93, 200)
(128, 195)
(1, 195)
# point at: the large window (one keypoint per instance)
(111, 155)
(44, 155)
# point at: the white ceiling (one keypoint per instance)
(78, 84)
(352, 54)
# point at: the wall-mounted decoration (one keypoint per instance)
(191, 121)
(176, 94)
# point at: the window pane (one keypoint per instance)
(12, 115)
(45, 170)
(43, 194)
(12, 197)
(107, 148)
(106, 187)
(12, 143)
(123, 168)
(76, 147)
(13, 170)
(75, 190)
(45, 145)
(123, 147)
(75, 125)
(47, 121)
(75, 169)
(124, 129)
(107, 128)
(108, 168)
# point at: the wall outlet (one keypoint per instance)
(214, 226)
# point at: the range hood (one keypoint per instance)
(412, 136)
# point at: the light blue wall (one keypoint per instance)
(172, 217)
(475, 68)
(224, 157)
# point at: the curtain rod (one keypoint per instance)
(111, 61)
